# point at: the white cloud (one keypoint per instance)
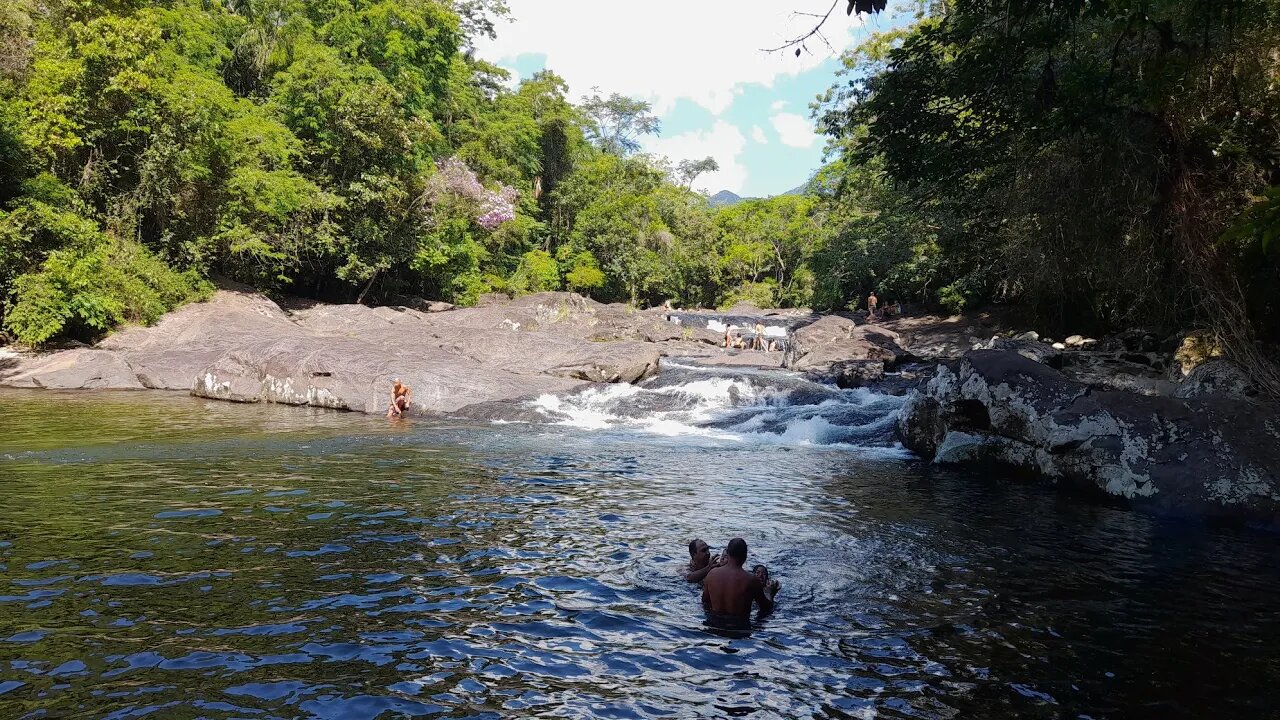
(793, 130)
(664, 50)
(778, 105)
(724, 142)
(757, 134)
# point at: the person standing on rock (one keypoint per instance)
(757, 343)
(401, 398)
(872, 303)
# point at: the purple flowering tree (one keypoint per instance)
(453, 179)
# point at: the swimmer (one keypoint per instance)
(701, 561)
(730, 590)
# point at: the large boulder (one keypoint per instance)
(1205, 456)
(243, 347)
(1217, 378)
(835, 347)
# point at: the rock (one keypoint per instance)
(1189, 457)
(1195, 349)
(1136, 340)
(857, 373)
(243, 347)
(1074, 341)
(1108, 371)
(1218, 377)
(79, 368)
(1029, 336)
(835, 346)
(1030, 349)
(1058, 346)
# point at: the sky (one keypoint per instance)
(701, 65)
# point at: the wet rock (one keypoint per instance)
(1029, 336)
(857, 373)
(1194, 457)
(1074, 341)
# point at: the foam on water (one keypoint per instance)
(734, 406)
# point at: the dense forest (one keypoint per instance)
(349, 151)
(1094, 163)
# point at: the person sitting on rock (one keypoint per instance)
(701, 561)
(729, 591)
(401, 398)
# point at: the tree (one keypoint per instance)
(617, 122)
(688, 170)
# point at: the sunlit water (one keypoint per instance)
(164, 556)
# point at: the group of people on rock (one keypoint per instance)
(875, 312)
(728, 590)
(758, 341)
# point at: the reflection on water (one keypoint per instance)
(164, 555)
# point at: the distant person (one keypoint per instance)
(401, 399)
(728, 590)
(728, 337)
(757, 343)
(701, 561)
(872, 303)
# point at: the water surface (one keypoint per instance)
(165, 556)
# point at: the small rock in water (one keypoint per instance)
(1059, 346)
(1074, 340)
(1028, 335)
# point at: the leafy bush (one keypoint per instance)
(537, 272)
(87, 290)
(585, 274)
(760, 294)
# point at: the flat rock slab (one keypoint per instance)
(243, 347)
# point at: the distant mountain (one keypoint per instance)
(724, 198)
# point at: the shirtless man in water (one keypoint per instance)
(730, 590)
(401, 398)
(701, 561)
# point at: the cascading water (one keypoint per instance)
(734, 405)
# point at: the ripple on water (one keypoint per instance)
(319, 565)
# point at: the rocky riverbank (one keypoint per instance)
(243, 347)
(1131, 417)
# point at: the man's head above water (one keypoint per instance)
(699, 553)
(737, 551)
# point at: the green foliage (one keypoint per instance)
(86, 289)
(584, 274)
(1078, 159)
(349, 151)
(537, 272)
(759, 294)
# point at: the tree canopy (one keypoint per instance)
(346, 151)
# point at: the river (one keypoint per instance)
(166, 556)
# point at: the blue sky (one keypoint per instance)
(699, 62)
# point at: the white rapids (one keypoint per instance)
(734, 405)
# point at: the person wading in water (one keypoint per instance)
(729, 591)
(401, 398)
